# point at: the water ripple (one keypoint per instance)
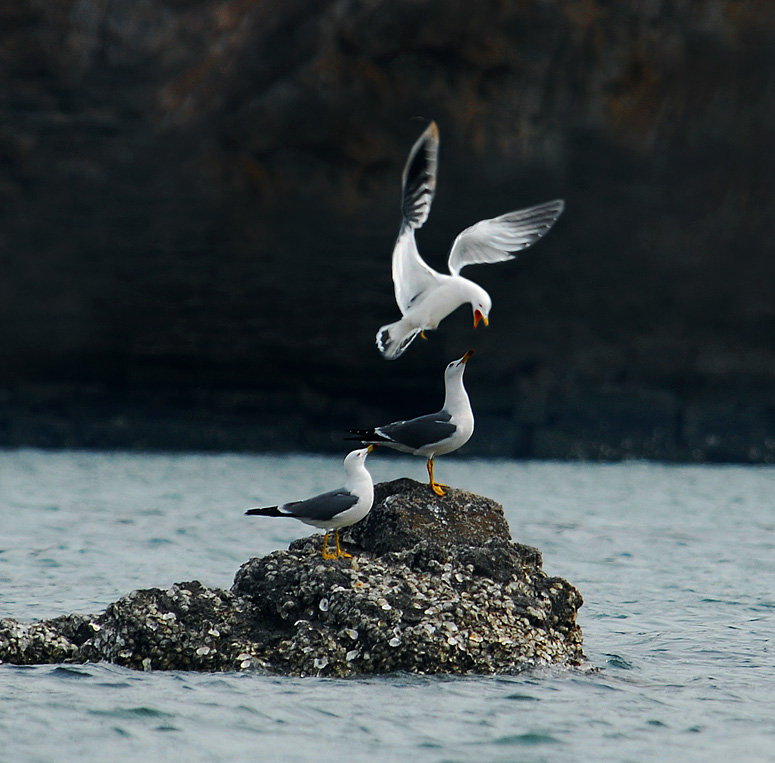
(674, 564)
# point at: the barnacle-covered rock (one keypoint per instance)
(406, 512)
(186, 627)
(435, 585)
(50, 641)
(428, 609)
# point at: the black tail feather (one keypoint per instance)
(366, 436)
(269, 511)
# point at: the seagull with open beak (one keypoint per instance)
(425, 296)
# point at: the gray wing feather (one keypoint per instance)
(321, 507)
(495, 240)
(424, 430)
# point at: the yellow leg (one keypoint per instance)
(422, 334)
(435, 487)
(326, 555)
(339, 551)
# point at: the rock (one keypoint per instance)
(435, 586)
(407, 512)
(186, 627)
(49, 641)
(430, 609)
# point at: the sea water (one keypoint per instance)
(676, 565)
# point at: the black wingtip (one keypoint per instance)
(360, 433)
(366, 436)
(419, 177)
(269, 511)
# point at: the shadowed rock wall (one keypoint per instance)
(198, 201)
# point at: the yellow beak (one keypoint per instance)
(478, 316)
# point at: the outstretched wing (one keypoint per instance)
(411, 276)
(419, 178)
(496, 239)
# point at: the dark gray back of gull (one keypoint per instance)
(323, 507)
(424, 430)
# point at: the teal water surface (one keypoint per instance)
(676, 565)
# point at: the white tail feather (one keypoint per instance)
(394, 338)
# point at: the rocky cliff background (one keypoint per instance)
(199, 198)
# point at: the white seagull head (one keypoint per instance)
(355, 459)
(480, 302)
(457, 367)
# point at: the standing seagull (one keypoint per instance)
(335, 509)
(435, 434)
(424, 296)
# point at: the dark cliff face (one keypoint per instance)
(198, 202)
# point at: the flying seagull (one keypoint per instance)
(425, 296)
(335, 509)
(435, 434)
